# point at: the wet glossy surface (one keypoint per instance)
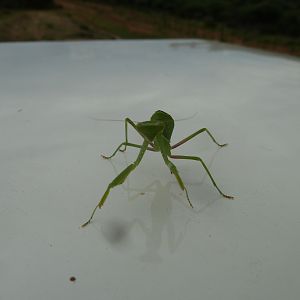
(146, 243)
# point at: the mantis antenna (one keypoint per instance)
(120, 120)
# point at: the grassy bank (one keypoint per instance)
(76, 19)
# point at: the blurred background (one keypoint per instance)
(267, 24)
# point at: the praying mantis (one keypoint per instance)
(156, 134)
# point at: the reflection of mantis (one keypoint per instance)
(157, 136)
(157, 230)
(161, 220)
(160, 217)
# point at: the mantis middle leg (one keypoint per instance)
(174, 171)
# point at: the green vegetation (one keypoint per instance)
(26, 4)
(263, 16)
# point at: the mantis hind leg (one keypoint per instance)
(206, 169)
(195, 134)
(119, 180)
(174, 171)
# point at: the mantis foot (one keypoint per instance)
(85, 224)
(223, 145)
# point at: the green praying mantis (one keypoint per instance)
(157, 134)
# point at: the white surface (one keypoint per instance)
(150, 246)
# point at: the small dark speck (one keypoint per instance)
(142, 193)
(209, 235)
(20, 109)
(72, 278)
